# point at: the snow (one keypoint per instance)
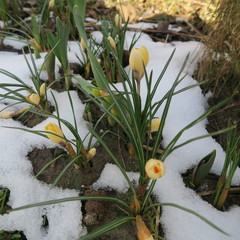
(143, 25)
(65, 219)
(14, 42)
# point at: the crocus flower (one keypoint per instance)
(83, 44)
(51, 4)
(43, 90)
(155, 124)
(33, 98)
(112, 43)
(118, 20)
(142, 230)
(7, 114)
(54, 128)
(155, 168)
(91, 153)
(138, 59)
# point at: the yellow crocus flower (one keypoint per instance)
(155, 168)
(54, 128)
(142, 230)
(118, 20)
(138, 59)
(33, 98)
(43, 90)
(112, 43)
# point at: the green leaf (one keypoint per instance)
(107, 227)
(189, 211)
(201, 171)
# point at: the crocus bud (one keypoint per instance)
(96, 92)
(155, 124)
(114, 112)
(112, 43)
(118, 20)
(155, 168)
(33, 98)
(43, 90)
(142, 230)
(138, 60)
(105, 95)
(54, 128)
(91, 153)
(83, 44)
(7, 114)
(51, 4)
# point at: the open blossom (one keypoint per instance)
(138, 59)
(54, 128)
(155, 168)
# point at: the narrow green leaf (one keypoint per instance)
(202, 169)
(107, 227)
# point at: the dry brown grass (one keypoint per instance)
(221, 65)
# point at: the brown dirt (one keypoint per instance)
(89, 173)
(219, 119)
(31, 119)
(207, 190)
(98, 213)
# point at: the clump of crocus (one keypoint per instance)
(55, 134)
(138, 60)
(142, 230)
(155, 168)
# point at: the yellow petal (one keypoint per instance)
(136, 60)
(51, 4)
(118, 20)
(54, 128)
(155, 123)
(155, 168)
(34, 98)
(145, 55)
(7, 114)
(91, 153)
(112, 43)
(106, 96)
(83, 44)
(43, 90)
(142, 230)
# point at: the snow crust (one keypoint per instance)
(65, 219)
